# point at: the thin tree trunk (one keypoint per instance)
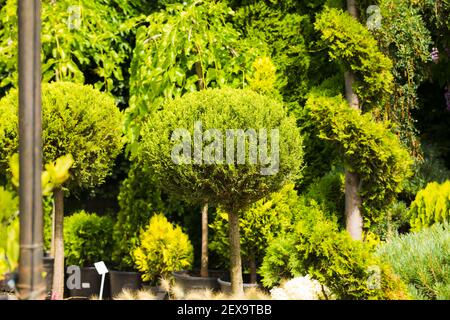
(52, 245)
(58, 271)
(199, 72)
(252, 269)
(204, 257)
(237, 286)
(353, 215)
(352, 9)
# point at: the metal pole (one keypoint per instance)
(31, 283)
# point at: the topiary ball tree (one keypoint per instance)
(76, 120)
(228, 147)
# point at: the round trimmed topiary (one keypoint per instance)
(227, 147)
(77, 120)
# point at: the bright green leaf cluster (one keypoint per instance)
(9, 232)
(79, 40)
(87, 239)
(432, 205)
(367, 147)
(181, 47)
(318, 248)
(77, 120)
(163, 248)
(353, 45)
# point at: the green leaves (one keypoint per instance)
(179, 47)
(97, 43)
(351, 44)
(230, 185)
(78, 121)
(432, 205)
(162, 248)
(9, 232)
(366, 147)
(87, 238)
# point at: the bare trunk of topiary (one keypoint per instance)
(204, 258)
(58, 271)
(353, 216)
(237, 286)
(252, 269)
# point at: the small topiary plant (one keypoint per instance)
(162, 248)
(87, 238)
(432, 205)
(317, 247)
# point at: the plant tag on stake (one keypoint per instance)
(101, 270)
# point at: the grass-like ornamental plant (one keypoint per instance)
(432, 205)
(162, 248)
(422, 260)
(87, 238)
(187, 146)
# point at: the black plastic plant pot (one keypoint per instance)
(120, 280)
(90, 285)
(225, 284)
(191, 280)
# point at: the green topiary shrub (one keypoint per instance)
(76, 120)
(422, 260)
(432, 205)
(317, 247)
(352, 44)
(162, 248)
(211, 171)
(87, 238)
(366, 147)
(259, 225)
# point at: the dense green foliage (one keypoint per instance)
(422, 260)
(87, 239)
(367, 148)
(432, 205)
(77, 120)
(85, 42)
(350, 43)
(162, 248)
(318, 248)
(279, 30)
(233, 186)
(9, 232)
(259, 225)
(404, 38)
(183, 49)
